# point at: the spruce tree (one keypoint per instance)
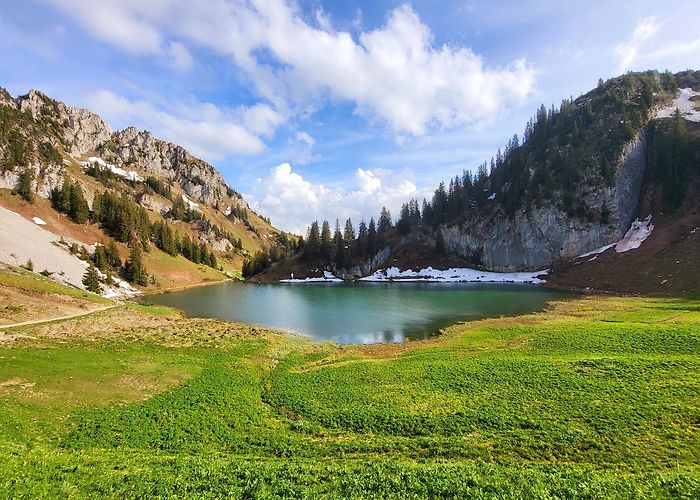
(26, 185)
(79, 211)
(100, 258)
(384, 222)
(112, 255)
(403, 226)
(349, 233)
(64, 197)
(91, 279)
(372, 242)
(326, 242)
(313, 241)
(605, 214)
(134, 269)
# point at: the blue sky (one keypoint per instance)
(319, 109)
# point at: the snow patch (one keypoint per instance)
(454, 275)
(327, 277)
(635, 236)
(595, 252)
(38, 221)
(688, 108)
(228, 210)
(638, 232)
(129, 175)
(191, 204)
(493, 196)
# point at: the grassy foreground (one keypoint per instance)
(594, 398)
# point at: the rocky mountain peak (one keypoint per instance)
(79, 129)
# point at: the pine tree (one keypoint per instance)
(339, 244)
(313, 241)
(372, 242)
(99, 258)
(26, 185)
(83, 254)
(134, 270)
(91, 279)
(349, 232)
(403, 226)
(79, 211)
(326, 242)
(112, 255)
(385, 223)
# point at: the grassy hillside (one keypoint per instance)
(596, 397)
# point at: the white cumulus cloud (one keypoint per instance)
(628, 51)
(293, 202)
(394, 74)
(206, 130)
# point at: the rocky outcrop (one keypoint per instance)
(526, 242)
(547, 234)
(81, 130)
(628, 181)
(153, 204)
(47, 177)
(365, 268)
(165, 160)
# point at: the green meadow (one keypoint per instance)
(596, 397)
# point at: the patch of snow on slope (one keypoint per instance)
(189, 202)
(689, 109)
(595, 252)
(129, 175)
(38, 221)
(454, 275)
(635, 236)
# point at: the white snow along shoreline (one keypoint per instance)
(327, 277)
(455, 275)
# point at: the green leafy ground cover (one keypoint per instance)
(594, 398)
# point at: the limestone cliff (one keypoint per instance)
(165, 160)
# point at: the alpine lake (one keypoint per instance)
(359, 312)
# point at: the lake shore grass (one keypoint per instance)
(595, 397)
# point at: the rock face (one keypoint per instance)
(81, 129)
(131, 147)
(536, 240)
(628, 181)
(364, 269)
(526, 242)
(47, 177)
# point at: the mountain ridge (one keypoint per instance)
(45, 144)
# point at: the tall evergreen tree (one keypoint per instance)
(134, 271)
(79, 211)
(349, 232)
(326, 242)
(26, 185)
(385, 222)
(99, 258)
(91, 279)
(112, 255)
(313, 241)
(372, 240)
(403, 226)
